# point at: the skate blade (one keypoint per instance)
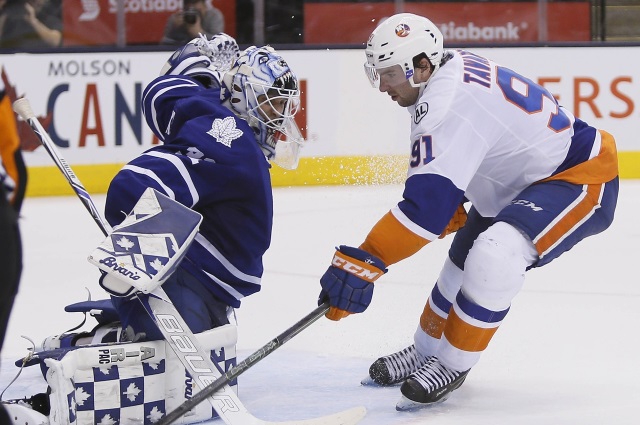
(368, 382)
(406, 405)
(23, 415)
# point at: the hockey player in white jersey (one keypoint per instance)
(538, 180)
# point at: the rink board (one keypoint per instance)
(90, 104)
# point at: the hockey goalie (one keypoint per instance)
(192, 216)
(114, 375)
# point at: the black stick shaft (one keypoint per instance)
(243, 366)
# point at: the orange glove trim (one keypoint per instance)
(456, 223)
(336, 314)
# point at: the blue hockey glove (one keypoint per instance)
(348, 282)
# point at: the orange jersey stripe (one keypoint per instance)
(390, 241)
(431, 322)
(569, 219)
(467, 337)
(599, 169)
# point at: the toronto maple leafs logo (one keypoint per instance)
(155, 415)
(107, 420)
(125, 243)
(224, 130)
(81, 396)
(132, 392)
(156, 265)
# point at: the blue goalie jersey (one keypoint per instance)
(210, 162)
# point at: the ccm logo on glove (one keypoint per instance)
(348, 282)
(363, 269)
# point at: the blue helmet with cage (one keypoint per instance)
(262, 89)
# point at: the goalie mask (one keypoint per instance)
(393, 45)
(262, 89)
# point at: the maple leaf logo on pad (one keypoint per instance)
(224, 130)
(125, 243)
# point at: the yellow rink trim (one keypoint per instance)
(320, 171)
(629, 164)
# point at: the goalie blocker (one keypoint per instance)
(146, 248)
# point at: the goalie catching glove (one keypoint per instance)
(348, 282)
(205, 60)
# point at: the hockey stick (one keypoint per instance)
(160, 308)
(242, 367)
(23, 108)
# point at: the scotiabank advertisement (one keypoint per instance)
(460, 22)
(94, 22)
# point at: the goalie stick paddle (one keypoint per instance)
(174, 330)
(243, 366)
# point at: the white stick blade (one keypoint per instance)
(346, 417)
(22, 107)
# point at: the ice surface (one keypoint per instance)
(566, 354)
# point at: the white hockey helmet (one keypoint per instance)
(396, 41)
(262, 89)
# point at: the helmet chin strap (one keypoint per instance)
(423, 84)
(420, 86)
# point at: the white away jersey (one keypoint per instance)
(484, 132)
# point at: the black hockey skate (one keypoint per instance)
(394, 368)
(38, 402)
(432, 383)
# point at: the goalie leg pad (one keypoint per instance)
(130, 382)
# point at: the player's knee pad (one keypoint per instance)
(494, 270)
(129, 382)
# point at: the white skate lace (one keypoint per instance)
(404, 363)
(434, 375)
